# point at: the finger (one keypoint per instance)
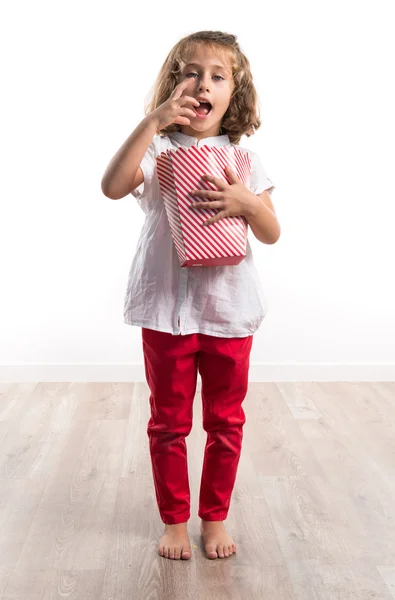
(217, 204)
(221, 185)
(187, 111)
(231, 174)
(182, 121)
(217, 217)
(206, 194)
(185, 99)
(180, 88)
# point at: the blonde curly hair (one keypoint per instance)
(242, 115)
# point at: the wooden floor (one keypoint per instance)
(312, 512)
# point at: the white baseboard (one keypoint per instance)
(259, 372)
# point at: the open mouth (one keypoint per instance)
(203, 110)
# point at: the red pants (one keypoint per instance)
(171, 366)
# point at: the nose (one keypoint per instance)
(203, 85)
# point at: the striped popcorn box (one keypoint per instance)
(179, 171)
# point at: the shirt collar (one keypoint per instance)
(189, 140)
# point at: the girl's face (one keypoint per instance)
(211, 78)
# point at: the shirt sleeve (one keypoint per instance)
(259, 179)
(147, 166)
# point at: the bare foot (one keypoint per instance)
(174, 542)
(217, 541)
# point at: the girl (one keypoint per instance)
(200, 318)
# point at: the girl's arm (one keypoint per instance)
(121, 172)
(263, 220)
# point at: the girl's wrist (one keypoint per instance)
(153, 123)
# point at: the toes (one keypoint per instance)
(220, 551)
(174, 552)
(211, 551)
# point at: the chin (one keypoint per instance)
(205, 126)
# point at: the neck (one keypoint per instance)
(200, 135)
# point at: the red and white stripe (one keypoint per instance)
(179, 171)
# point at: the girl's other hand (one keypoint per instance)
(175, 109)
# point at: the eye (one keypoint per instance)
(191, 73)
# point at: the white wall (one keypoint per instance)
(76, 77)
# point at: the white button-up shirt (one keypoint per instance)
(225, 301)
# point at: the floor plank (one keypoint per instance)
(312, 512)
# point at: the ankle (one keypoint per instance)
(208, 522)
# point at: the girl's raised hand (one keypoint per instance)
(175, 109)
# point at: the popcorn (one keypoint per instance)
(179, 171)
